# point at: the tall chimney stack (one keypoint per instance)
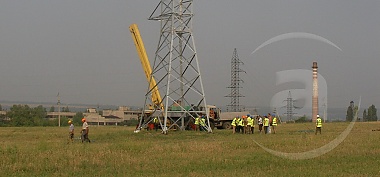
(315, 92)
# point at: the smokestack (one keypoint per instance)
(315, 92)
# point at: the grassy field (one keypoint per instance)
(117, 151)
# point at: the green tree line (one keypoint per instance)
(23, 115)
(369, 114)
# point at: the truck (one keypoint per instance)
(224, 119)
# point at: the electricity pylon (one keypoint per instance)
(235, 83)
(176, 69)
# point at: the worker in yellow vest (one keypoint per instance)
(318, 125)
(197, 123)
(241, 125)
(156, 123)
(234, 123)
(249, 124)
(252, 125)
(266, 124)
(274, 124)
(203, 124)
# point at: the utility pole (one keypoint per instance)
(59, 110)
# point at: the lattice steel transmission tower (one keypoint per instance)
(290, 106)
(235, 86)
(176, 70)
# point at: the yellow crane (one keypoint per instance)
(156, 97)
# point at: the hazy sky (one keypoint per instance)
(83, 49)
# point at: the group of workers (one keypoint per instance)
(84, 131)
(199, 124)
(246, 124)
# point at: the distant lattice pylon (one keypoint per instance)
(290, 106)
(236, 83)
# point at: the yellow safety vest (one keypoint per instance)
(319, 122)
(274, 121)
(249, 119)
(203, 122)
(196, 121)
(240, 122)
(266, 122)
(155, 120)
(234, 122)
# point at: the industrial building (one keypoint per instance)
(108, 117)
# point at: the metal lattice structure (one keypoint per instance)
(176, 70)
(235, 86)
(290, 106)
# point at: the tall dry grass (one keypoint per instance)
(117, 151)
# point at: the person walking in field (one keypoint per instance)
(85, 131)
(318, 125)
(260, 123)
(71, 131)
(266, 125)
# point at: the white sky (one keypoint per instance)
(83, 49)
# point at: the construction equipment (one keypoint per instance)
(156, 97)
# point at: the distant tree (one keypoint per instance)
(1, 108)
(38, 115)
(65, 109)
(372, 113)
(23, 115)
(365, 115)
(301, 119)
(52, 109)
(20, 115)
(2, 122)
(350, 113)
(77, 120)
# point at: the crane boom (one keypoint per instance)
(156, 97)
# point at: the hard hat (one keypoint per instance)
(69, 122)
(317, 115)
(84, 119)
(248, 115)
